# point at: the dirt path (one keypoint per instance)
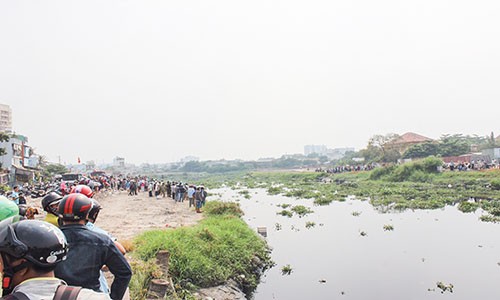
(126, 216)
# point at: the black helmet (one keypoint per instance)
(40, 243)
(74, 207)
(49, 199)
(94, 211)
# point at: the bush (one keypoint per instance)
(468, 207)
(418, 171)
(219, 248)
(214, 208)
(495, 184)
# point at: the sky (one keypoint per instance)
(154, 81)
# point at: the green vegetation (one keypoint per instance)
(388, 227)
(415, 185)
(286, 213)
(245, 193)
(310, 225)
(219, 248)
(301, 210)
(286, 270)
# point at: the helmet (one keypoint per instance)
(49, 199)
(82, 189)
(41, 243)
(94, 211)
(8, 208)
(74, 207)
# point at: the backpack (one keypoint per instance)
(63, 292)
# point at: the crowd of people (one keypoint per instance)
(480, 164)
(346, 168)
(62, 257)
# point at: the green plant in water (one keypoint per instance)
(490, 219)
(444, 287)
(468, 207)
(310, 225)
(356, 213)
(388, 227)
(301, 210)
(286, 270)
(245, 193)
(285, 213)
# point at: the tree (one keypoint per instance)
(54, 169)
(380, 148)
(422, 150)
(453, 145)
(4, 137)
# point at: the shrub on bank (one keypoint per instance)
(219, 248)
(417, 171)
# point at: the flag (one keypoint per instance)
(78, 159)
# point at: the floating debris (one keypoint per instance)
(322, 281)
(356, 213)
(321, 224)
(362, 233)
(388, 227)
(423, 259)
(443, 287)
(277, 226)
(262, 231)
(286, 270)
(342, 293)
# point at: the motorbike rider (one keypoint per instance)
(30, 250)
(7, 208)
(90, 250)
(50, 203)
(91, 219)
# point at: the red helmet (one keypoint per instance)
(82, 189)
(74, 207)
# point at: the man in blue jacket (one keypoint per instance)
(90, 250)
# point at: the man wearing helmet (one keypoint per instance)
(90, 250)
(29, 251)
(50, 203)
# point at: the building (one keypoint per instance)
(19, 160)
(189, 158)
(119, 162)
(405, 141)
(318, 149)
(338, 153)
(5, 118)
(492, 153)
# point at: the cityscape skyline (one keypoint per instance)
(158, 81)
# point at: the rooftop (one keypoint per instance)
(411, 137)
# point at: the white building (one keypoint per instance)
(318, 149)
(19, 160)
(5, 118)
(119, 162)
(189, 158)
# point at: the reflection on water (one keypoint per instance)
(333, 260)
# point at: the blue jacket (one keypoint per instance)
(88, 252)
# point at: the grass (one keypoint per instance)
(219, 248)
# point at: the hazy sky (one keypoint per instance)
(154, 81)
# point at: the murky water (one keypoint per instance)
(426, 246)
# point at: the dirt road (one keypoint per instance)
(126, 216)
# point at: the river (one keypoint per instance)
(345, 256)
